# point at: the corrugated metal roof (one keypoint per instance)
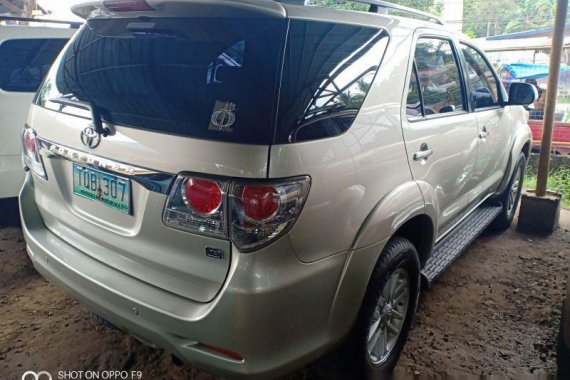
(542, 32)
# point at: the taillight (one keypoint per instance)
(197, 205)
(251, 213)
(127, 5)
(258, 203)
(31, 154)
(202, 195)
(261, 213)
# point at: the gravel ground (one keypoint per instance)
(496, 311)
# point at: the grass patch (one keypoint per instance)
(558, 180)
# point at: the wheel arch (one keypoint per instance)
(419, 230)
(410, 221)
(522, 142)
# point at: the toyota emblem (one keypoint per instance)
(90, 138)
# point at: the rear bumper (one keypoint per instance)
(273, 310)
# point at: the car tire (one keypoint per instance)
(510, 198)
(389, 302)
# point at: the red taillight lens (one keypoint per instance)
(30, 143)
(201, 195)
(259, 202)
(30, 153)
(223, 351)
(127, 6)
(197, 205)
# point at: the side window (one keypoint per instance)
(483, 86)
(414, 104)
(25, 62)
(440, 83)
(328, 70)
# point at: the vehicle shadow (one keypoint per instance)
(9, 213)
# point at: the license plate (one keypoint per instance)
(105, 188)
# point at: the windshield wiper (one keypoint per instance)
(95, 112)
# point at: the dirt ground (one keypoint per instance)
(496, 311)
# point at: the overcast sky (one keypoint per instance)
(60, 8)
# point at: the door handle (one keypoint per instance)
(424, 153)
(483, 135)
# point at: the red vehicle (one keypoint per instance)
(560, 136)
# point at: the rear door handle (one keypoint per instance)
(424, 153)
(483, 135)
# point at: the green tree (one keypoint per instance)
(432, 6)
(483, 18)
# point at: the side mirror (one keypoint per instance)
(522, 94)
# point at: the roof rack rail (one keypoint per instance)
(72, 24)
(376, 5)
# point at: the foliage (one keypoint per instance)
(432, 6)
(558, 180)
(491, 17)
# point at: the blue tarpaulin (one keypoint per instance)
(529, 70)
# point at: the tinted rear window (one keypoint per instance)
(327, 72)
(25, 62)
(218, 78)
(207, 78)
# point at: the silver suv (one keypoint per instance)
(253, 184)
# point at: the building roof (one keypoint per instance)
(542, 32)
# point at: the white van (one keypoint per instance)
(26, 54)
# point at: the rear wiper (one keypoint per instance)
(95, 113)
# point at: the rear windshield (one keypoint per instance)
(218, 78)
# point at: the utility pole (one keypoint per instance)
(540, 210)
(551, 93)
(31, 6)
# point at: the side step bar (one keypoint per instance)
(452, 246)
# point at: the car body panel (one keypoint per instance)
(344, 169)
(14, 109)
(447, 175)
(248, 316)
(180, 264)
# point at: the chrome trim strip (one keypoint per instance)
(152, 180)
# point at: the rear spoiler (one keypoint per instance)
(72, 24)
(179, 8)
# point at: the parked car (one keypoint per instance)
(26, 53)
(252, 185)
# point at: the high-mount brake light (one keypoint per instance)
(127, 6)
(30, 153)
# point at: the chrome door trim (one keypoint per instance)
(152, 180)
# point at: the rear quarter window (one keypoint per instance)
(327, 72)
(25, 62)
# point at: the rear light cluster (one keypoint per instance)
(251, 214)
(31, 153)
